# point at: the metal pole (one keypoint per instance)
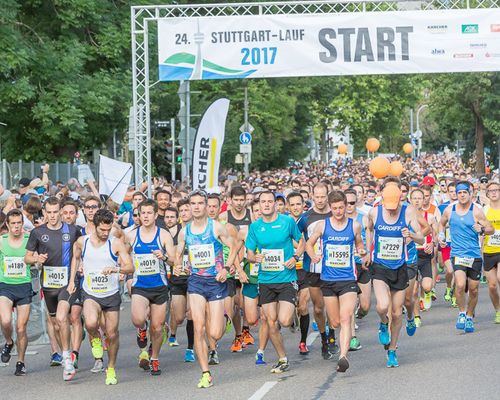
(172, 137)
(418, 126)
(188, 133)
(114, 143)
(3, 172)
(245, 109)
(411, 131)
(149, 178)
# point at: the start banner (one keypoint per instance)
(392, 42)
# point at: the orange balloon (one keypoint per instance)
(407, 148)
(372, 144)
(380, 167)
(395, 168)
(342, 149)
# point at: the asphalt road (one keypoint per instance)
(437, 363)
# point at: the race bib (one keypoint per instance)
(494, 240)
(185, 265)
(14, 267)
(390, 248)
(254, 269)
(146, 264)
(55, 277)
(464, 261)
(99, 283)
(338, 255)
(202, 255)
(274, 260)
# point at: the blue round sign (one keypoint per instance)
(245, 138)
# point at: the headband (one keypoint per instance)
(462, 186)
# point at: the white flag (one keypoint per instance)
(208, 146)
(114, 178)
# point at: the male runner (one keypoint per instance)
(207, 288)
(492, 247)
(273, 237)
(15, 288)
(387, 228)
(341, 237)
(97, 257)
(151, 247)
(319, 212)
(296, 208)
(163, 199)
(178, 285)
(51, 246)
(467, 221)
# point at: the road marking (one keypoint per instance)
(311, 338)
(266, 387)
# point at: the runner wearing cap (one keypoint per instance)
(387, 228)
(467, 222)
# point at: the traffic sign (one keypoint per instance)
(243, 128)
(245, 138)
(245, 148)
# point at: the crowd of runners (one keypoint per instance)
(302, 247)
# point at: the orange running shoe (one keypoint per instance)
(247, 338)
(237, 345)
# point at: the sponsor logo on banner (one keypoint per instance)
(437, 28)
(492, 55)
(470, 28)
(478, 45)
(438, 52)
(495, 27)
(463, 55)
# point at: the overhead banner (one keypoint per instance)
(208, 146)
(266, 46)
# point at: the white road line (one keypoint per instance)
(311, 338)
(266, 387)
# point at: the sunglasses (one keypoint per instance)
(198, 192)
(351, 203)
(91, 207)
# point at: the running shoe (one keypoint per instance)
(332, 345)
(213, 357)
(206, 380)
(392, 359)
(259, 359)
(461, 321)
(69, 369)
(165, 334)
(497, 317)
(325, 352)
(421, 304)
(237, 345)
(383, 334)
(144, 360)
(105, 343)
(7, 348)
(483, 279)
(440, 269)
(55, 359)
(281, 367)
(411, 327)
(314, 326)
(247, 338)
(343, 365)
(355, 345)
(74, 359)
(361, 314)
(97, 350)
(469, 325)
(172, 342)
(229, 323)
(98, 366)
(433, 293)
(427, 301)
(142, 337)
(111, 376)
(447, 295)
(20, 369)
(303, 350)
(189, 356)
(454, 302)
(154, 367)
(418, 321)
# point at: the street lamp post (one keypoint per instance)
(3, 172)
(418, 131)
